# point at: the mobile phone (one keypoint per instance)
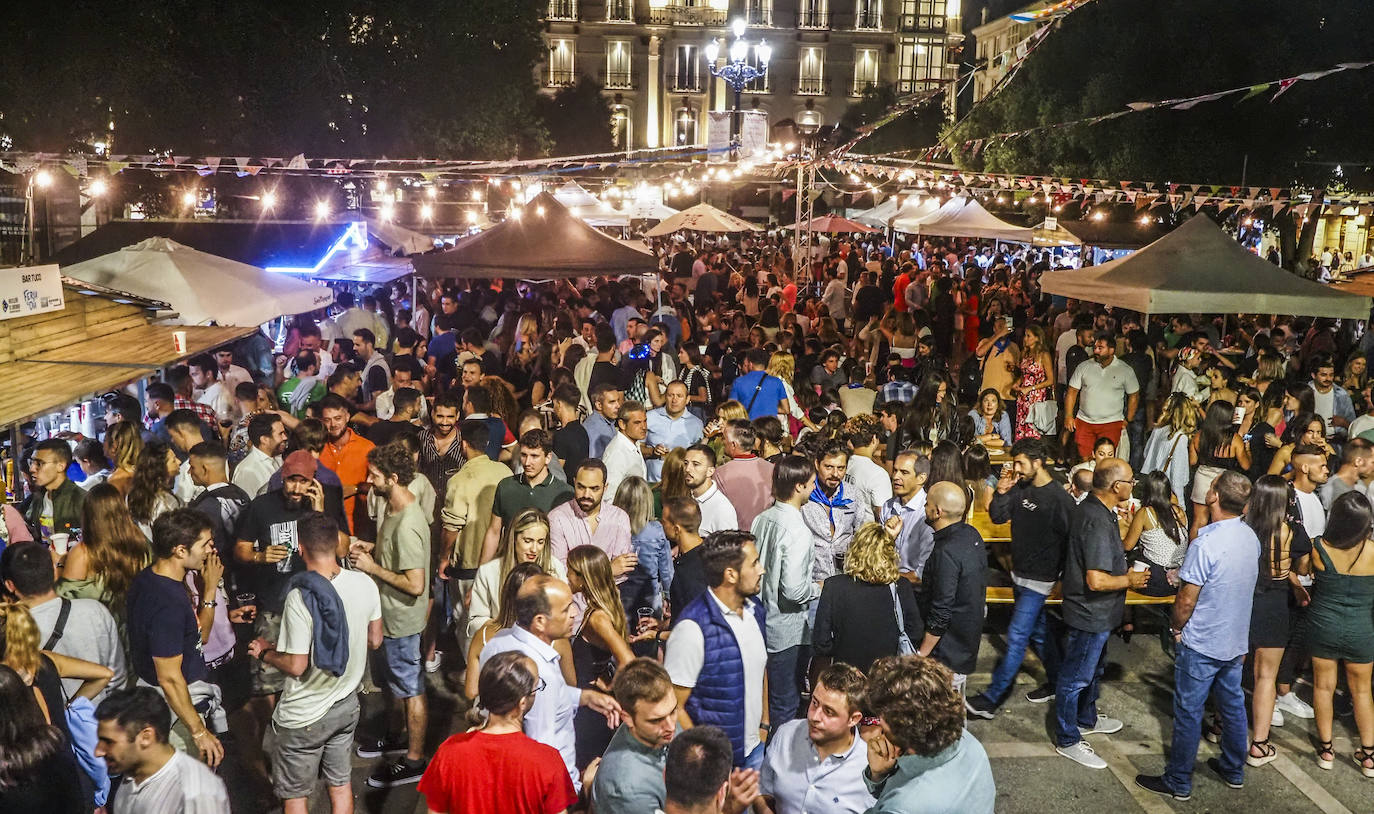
(1008, 321)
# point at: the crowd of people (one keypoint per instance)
(715, 542)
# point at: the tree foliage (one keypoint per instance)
(332, 77)
(917, 128)
(578, 118)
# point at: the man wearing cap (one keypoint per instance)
(268, 550)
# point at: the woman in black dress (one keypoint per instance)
(858, 611)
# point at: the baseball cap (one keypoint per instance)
(300, 463)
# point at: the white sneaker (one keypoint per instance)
(1082, 754)
(1291, 704)
(1104, 726)
(432, 665)
(1277, 718)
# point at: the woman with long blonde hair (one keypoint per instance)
(599, 646)
(123, 445)
(1166, 450)
(44, 670)
(784, 367)
(510, 588)
(524, 539)
(645, 585)
(857, 615)
(111, 553)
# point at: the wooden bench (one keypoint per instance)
(1002, 595)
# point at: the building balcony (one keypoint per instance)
(618, 80)
(620, 11)
(813, 20)
(563, 10)
(813, 86)
(932, 23)
(687, 15)
(861, 86)
(685, 83)
(918, 85)
(757, 16)
(868, 21)
(559, 79)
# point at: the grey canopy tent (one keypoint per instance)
(543, 241)
(1199, 269)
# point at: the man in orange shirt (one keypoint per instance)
(345, 452)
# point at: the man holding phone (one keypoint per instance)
(1000, 358)
(267, 547)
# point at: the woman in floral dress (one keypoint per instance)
(1037, 377)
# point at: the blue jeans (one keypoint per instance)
(785, 668)
(1027, 627)
(1195, 677)
(754, 760)
(1076, 691)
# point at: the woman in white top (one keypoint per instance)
(526, 539)
(784, 367)
(1158, 534)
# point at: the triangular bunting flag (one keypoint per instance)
(298, 163)
(1255, 90)
(1284, 84)
(213, 163)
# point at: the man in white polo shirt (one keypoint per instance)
(717, 512)
(1102, 392)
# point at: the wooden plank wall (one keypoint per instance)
(85, 317)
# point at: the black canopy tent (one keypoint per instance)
(544, 241)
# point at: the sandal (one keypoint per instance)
(1267, 754)
(1326, 756)
(1212, 731)
(1364, 758)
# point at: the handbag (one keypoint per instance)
(81, 722)
(904, 645)
(1044, 415)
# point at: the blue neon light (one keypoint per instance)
(356, 233)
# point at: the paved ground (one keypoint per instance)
(1030, 777)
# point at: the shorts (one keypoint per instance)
(322, 749)
(266, 679)
(396, 667)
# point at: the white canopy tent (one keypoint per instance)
(201, 287)
(1198, 268)
(914, 210)
(649, 209)
(879, 215)
(965, 217)
(702, 218)
(588, 207)
(398, 238)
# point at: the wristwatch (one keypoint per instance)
(209, 603)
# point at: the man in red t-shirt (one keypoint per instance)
(498, 769)
(899, 290)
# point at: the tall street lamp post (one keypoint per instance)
(737, 73)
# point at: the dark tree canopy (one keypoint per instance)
(578, 118)
(255, 77)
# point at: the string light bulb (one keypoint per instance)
(432, 192)
(426, 211)
(269, 200)
(98, 188)
(388, 211)
(188, 198)
(321, 210)
(42, 179)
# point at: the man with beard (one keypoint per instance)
(832, 515)
(817, 763)
(132, 732)
(441, 453)
(268, 551)
(399, 562)
(345, 452)
(1093, 406)
(716, 656)
(586, 520)
(600, 423)
(630, 777)
(1039, 511)
(267, 435)
(699, 469)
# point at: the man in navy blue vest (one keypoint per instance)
(716, 657)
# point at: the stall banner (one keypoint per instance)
(30, 290)
(753, 133)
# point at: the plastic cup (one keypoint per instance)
(645, 615)
(1140, 566)
(59, 543)
(179, 341)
